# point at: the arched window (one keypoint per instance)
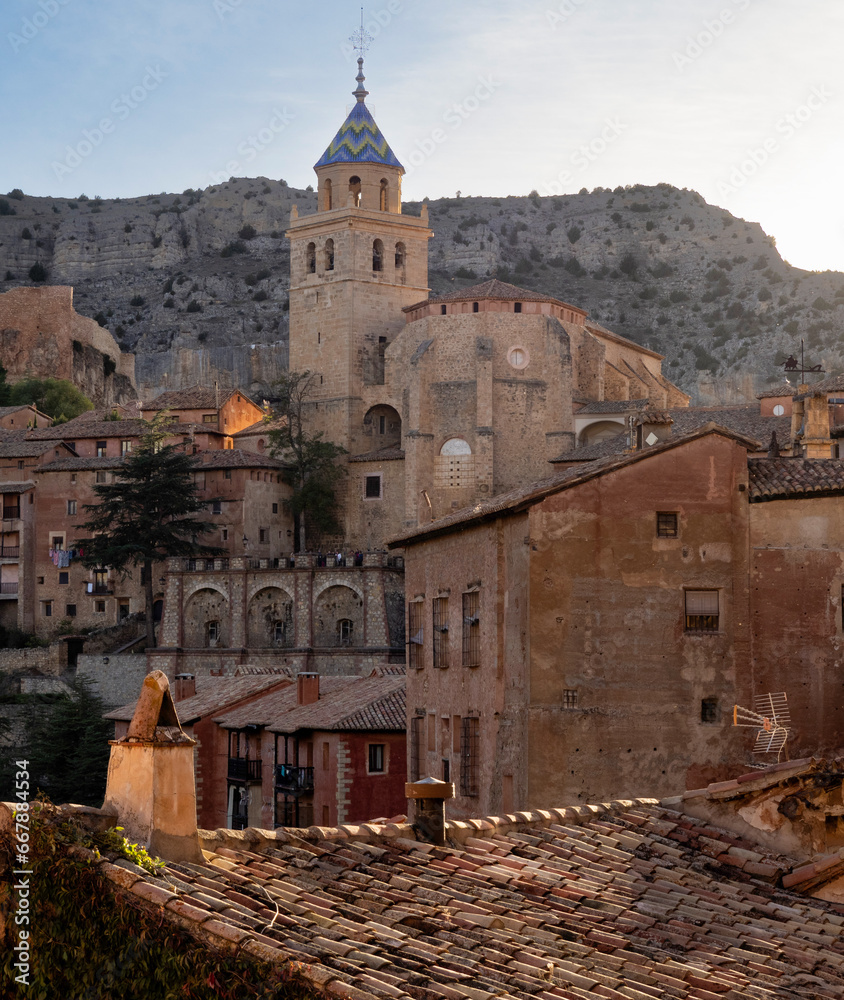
(400, 254)
(383, 200)
(310, 258)
(378, 256)
(327, 200)
(354, 190)
(280, 633)
(455, 465)
(475, 307)
(329, 255)
(345, 631)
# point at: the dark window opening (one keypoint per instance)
(416, 724)
(709, 710)
(345, 631)
(517, 307)
(469, 733)
(70, 610)
(101, 448)
(440, 623)
(64, 578)
(310, 258)
(354, 189)
(376, 758)
(475, 307)
(329, 255)
(372, 487)
(667, 524)
(471, 629)
(443, 310)
(415, 628)
(702, 611)
(378, 256)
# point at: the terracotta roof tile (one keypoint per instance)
(614, 406)
(775, 478)
(196, 397)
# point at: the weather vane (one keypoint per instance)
(791, 364)
(361, 39)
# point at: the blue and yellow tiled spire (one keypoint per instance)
(359, 139)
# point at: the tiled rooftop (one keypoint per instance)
(236, 458)
(195, 397)
(359, 140)
(774, 478)
(393, 454)
(613, 406)
(624, 901)
(345, 703)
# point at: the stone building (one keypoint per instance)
(440, 401)
(587, 636)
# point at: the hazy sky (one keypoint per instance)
(739, 99)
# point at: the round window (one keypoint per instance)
(779, 409)
(518, 357)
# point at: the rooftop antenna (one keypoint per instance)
(770, 717)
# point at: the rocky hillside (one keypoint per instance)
(197, 284)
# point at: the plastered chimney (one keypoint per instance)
(185, 687)
(307, 689)
(151, 783)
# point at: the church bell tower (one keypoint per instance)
(355, 264)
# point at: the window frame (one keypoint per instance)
(469, 756)
(700, 620)
(439, 622)
(471, 637)
(415, 626)
(367, 479)
(667, 524)
(378, 752)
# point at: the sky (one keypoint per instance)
(740, 100)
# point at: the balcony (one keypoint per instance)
(294, 780)
(205, 565)
(10, 551)
(9, 589)
(243, 769)
(11, 513)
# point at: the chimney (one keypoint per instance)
(813, 431)
(151, 784)
(652, 427)
(430, 795)
(185, 687)
(307, 689)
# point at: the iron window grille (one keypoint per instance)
(415, 644)
(440, 623)
(471, 630)
(416, 724)
(667, 524)
(469, 732)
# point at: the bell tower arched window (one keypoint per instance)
(327, 203)
(383, 200)
(310, 258)
(354, 190)
(378, 256)
(329, 255)
(401, 254)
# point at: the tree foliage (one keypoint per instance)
(67, 745)
(311, 469)
(148, 513)
(56, 397)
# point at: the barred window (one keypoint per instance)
(702, 611)
(667, 524)
(570, 698)
(440, 622)
(415, 631)
(471, 630)
(469, 729)
(416, 724)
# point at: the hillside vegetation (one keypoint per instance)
(197, 284)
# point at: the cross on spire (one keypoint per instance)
(361, 39)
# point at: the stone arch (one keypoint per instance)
(401, 255)
(454, 467)
(336, 604)
(382, 427)
(354, 191)
(382, 202)
(329, 255)
(269, 619)
(204, 607)
(327, 203)
(599, 430)
(310, 258)
(378, 255)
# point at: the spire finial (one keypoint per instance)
(361, 40)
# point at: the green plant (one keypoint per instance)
(137, 300)
(193, 307)
(574, 233)
(111, 840)
(38, 272)
(247, 232)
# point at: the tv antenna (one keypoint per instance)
(771, 719)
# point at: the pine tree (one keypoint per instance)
(149, 513)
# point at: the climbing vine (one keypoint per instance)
(92, 940)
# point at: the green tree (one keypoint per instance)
(56, 397)
(148, 513)
(311, 462)
(67, 745)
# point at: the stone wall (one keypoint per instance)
(51, 660)
(116, 679)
